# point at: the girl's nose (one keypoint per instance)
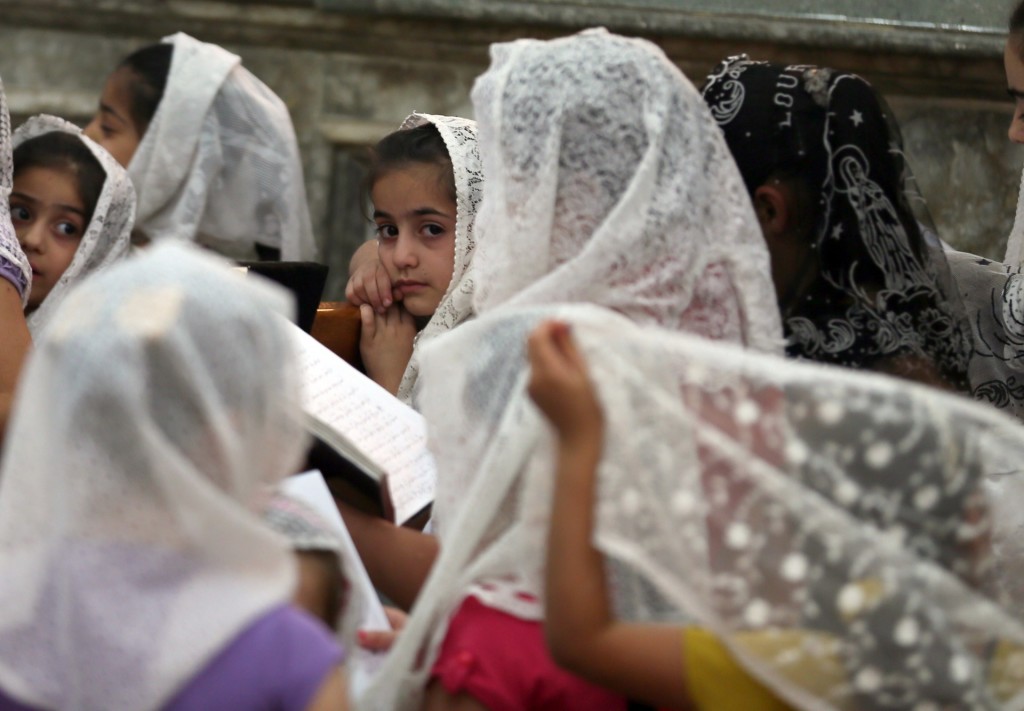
(33, 237)
(406, 255)
(92, 129)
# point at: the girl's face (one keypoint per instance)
(49, 218)
(1014, 67)
(415, 216)
(112, 126)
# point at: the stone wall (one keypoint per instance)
(350, 70)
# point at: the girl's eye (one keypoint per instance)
(67, 229)
(19, 213)
(433, 230)
(107, 131)
(387, 231)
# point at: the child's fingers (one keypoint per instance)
(373, 297)
(539, 346)
(383, 284)
(352, 291)
(566, 344)
(369, 321)
(376, 640)
(547, 365)
(396, 617)
(555, 346)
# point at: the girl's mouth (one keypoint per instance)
(409, 287)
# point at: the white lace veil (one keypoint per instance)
(616, 157)
(219, 163)
(459, 136)
(13, 262)
(608, 182)
(161, 401)
(107, 237)
(838, 531)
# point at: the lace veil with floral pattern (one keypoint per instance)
(460, 138)
(607, 183)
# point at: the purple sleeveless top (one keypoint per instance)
(278, 663)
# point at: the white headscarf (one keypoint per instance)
(107, 237)
(459, 136)
(14, 264)
(608, 183)
(164, 397)
(219, 163)
(838, 531)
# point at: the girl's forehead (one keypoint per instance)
(49, 184)
(416, 185)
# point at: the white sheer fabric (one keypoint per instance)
(1015, 242)
(837, 530)
(608, 182)
(219, 163)
(456, 306)
(106, 239)
(14, 264)
(619, 159)
(161, 401)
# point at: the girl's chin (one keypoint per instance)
(419, 306)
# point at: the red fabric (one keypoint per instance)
(503, 662)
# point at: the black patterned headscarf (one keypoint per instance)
(883, 298)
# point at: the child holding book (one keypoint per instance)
(72, 207)
(425, 183)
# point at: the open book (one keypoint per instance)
(382, 439)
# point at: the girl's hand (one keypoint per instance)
(560, 385)
(382, 640)
(368, 281)
(385, 343)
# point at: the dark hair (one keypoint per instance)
(149, 67)
(64, 152)
(1017, 19)
(422, 144)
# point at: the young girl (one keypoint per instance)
(211, 151)
(72, 207)
(160, 406)
(425, 182)
(15, 280)
(608, 183)
(719, 482)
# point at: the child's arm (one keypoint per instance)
(397, 559)
(385, 344)
(643, 662)
(368, 282)
(16, 344)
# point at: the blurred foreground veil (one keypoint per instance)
(163, 399)
(851, 537)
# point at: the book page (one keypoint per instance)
(310, 489)
(386, 431)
